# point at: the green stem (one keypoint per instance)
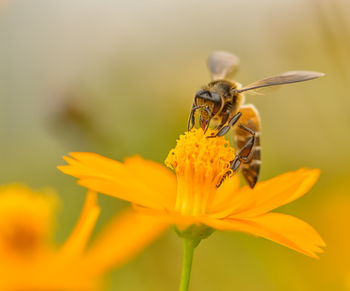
(186, 264)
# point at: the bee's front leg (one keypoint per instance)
(227, 127)
(223, 120)
(191, 119)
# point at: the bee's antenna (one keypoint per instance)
(235, 91)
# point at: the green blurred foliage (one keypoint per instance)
(118, 78)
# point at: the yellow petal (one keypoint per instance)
(123, 180)
(270, 194)
(172, 218)
(76, 243)
(124, 237)
(156, 176)
(280, 228)
(224, 193)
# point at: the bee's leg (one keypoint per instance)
(191, 119)
(243, 155)
(247, 129)
(227, 127)
(207, 125)
(204, 123)
(223, 121)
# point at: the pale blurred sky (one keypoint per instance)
(57, 39)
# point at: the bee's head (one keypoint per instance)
(209, 103)
(211, 100)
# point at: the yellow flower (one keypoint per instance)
(30, 261)
(193, 196)
(25, 221)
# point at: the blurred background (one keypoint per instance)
(118, 78)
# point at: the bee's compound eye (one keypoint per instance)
(199, 94)
(216, 98)
(203, 94)
(217, 101)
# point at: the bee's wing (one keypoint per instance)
(285, 78)
(251, 119)
(221, 64)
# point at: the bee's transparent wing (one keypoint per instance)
(285, 78)
(221, 64)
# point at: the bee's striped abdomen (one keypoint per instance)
(251, 119)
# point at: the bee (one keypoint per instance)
(222, 102)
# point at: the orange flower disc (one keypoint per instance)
(200, 163)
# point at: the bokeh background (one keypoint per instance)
(118, 78)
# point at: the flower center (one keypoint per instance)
(200, 163)
(25, 220)
(21, 239)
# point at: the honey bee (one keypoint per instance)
(222, 101)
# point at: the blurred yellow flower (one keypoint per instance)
(193, 196)
(28, 258)
(25, 221)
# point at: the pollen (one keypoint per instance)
(200, 163)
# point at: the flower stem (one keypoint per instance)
(186, 264)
